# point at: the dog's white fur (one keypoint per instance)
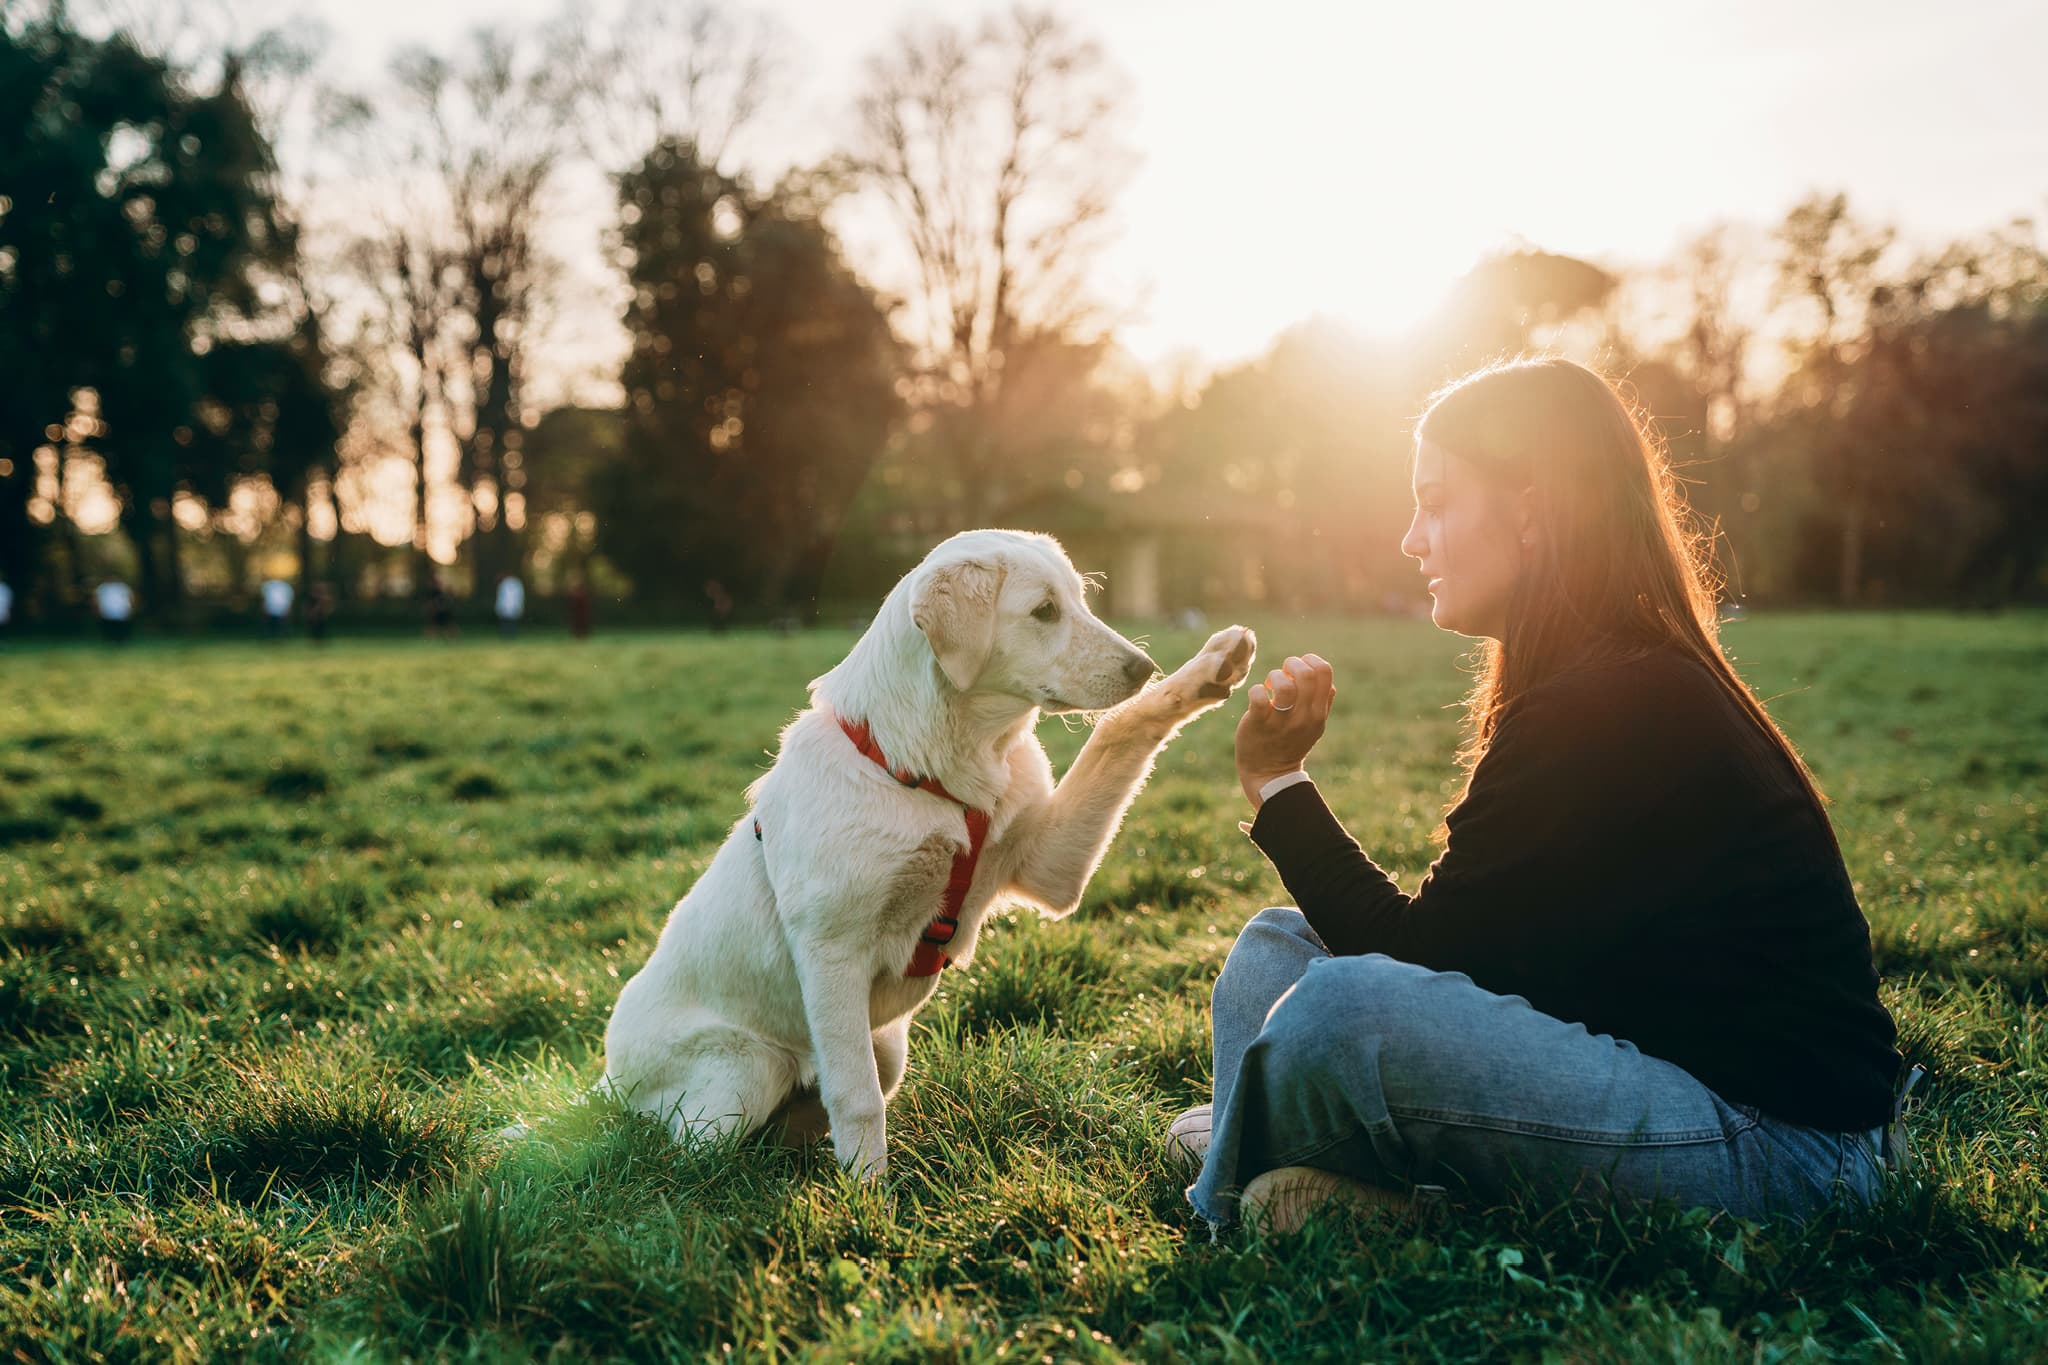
(784, 965)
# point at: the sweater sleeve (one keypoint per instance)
(1571, 787)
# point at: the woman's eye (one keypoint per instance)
(1048, 613)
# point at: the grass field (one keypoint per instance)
(289, 933)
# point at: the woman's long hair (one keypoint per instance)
(1617, 567)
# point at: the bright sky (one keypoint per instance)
(1352, 158)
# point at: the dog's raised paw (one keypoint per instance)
(1236, 645)
(1242, 649)
(1223, 663)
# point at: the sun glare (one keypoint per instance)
(1400, 147)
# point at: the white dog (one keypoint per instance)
(907, 800)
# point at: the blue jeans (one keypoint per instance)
(1401, 1077)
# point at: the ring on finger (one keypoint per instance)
(1277, 707)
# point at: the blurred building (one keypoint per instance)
(1162, 553)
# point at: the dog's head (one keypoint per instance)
(1005, 613)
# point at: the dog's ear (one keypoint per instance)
(955, 607)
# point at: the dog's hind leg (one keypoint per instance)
(800, 1121)
(722, 1083)
(892, 1053)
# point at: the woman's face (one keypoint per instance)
(1468, 536)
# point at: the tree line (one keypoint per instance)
(246, 312)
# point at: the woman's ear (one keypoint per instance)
(1525, 517)
(955, 607)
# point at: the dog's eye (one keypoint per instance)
(1048, 613)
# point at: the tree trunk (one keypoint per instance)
(305, 505)
(20, 538)
(237, 556)
(1852, 547)
(174, 562)
(138, 519)
(484, 454)
(422, 558)
(67, 583)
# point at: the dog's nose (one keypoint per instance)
(1139, 668)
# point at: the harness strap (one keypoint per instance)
(929, 957)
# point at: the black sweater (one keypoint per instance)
(1635, 855)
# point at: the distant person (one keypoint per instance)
(115, 602)
(319, 611)
(440, 610)
(1637, 969)
(510, 604)
(6, 609)
(579, 608)
(277, 607)
(721, 605)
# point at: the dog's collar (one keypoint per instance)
(864, 740)
(929, 957)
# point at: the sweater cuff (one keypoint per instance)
(1291, 817)
(1281, 784)
(1284, 782)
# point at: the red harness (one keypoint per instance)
(929, 958)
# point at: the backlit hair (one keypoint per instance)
(1617, 567)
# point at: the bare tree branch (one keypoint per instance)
(648, 70)
(997, 155)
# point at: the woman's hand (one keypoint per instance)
(1283, 718)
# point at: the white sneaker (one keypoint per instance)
(1187, 1139)
(1280, 1200)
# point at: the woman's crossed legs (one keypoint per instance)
(1398, 1076)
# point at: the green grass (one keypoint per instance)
(285, 935)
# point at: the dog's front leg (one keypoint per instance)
(1065, 839)
(835, 984)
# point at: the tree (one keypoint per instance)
(996, 154)
(1828, 269)
(660, 71)
(1312, 438)
(1512, 301)
(1947, 420)
(269, 412)
(50, 221)
(267, 59)
(567, 454)
(760, 387)
(146, 213)
(411, 304)
(493, 128)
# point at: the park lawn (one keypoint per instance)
(290, 932)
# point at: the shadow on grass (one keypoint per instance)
(597, 1228)
(1029, 974)
(304, 1128)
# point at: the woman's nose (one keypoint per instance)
(1413, 543)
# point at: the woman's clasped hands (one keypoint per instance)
(1283, 718)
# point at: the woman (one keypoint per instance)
(1638, 967)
